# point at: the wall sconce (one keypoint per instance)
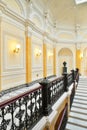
(17, 48)
(50, 54)
(81, 55)
(38, 52)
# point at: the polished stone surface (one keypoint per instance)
(78, 116)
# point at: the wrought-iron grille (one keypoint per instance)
(21, 112)
(56, 89)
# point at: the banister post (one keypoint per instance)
(45, 96)
(64, 67)
(73, 75)
(77, 73)
(65, 76)
(77, 70)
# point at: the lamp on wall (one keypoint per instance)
(50, 54)
(38, 52)
(17, 48)
(81, 55)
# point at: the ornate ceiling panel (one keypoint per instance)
(65, 12)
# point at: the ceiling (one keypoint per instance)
(66, 13)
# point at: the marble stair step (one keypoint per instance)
(84, 87)
(82, 83)
(82, 80)
(74, 127)
(81, 91)
(77, 122)
(80, 101)
(80, 97)
(79, 105)
(78, 116)
(79, 110)
(81, 94)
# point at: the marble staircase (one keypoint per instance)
(78, 115)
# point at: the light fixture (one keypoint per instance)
(38, 52)
(81, 55)
(50, 54)
(17, 48)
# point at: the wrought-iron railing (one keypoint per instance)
(72, 95)
(70, 79)
(56, 89)
(23, 111)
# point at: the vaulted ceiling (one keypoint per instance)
(66, 13)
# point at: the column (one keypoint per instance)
(44, 60)
(54, 61)
(78, 59)
(28, 60)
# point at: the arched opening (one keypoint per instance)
(84, 63)
(36, 19)
(65, 54)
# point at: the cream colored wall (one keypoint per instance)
(12, 64)
(12, 68)
(65, 54)
(36, 20)
(49, 59)
(66, 36)
(37, 61)
(84, 59)
(72, 48)
(12, 4)
(0, 54)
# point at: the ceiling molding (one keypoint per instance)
(8, 12)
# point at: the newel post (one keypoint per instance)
(73, 75)
(77, 70)
(45, 96)
(77, 75)
(65, 76)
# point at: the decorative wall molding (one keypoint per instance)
(26, 22)
(8, 12)
(7, 36)
(15, 73)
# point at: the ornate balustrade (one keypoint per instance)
(70, 79)
(72, 95)
(56, 89)
(21, 111)
(24, 110)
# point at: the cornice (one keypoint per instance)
(67, 41)
(31, 27)
(8, 12)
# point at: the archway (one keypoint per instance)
(84, 63)
(65, 54)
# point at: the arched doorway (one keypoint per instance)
(65, 54)
(84, 63)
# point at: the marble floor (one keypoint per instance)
(78, 115)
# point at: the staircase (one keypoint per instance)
(78, 115)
